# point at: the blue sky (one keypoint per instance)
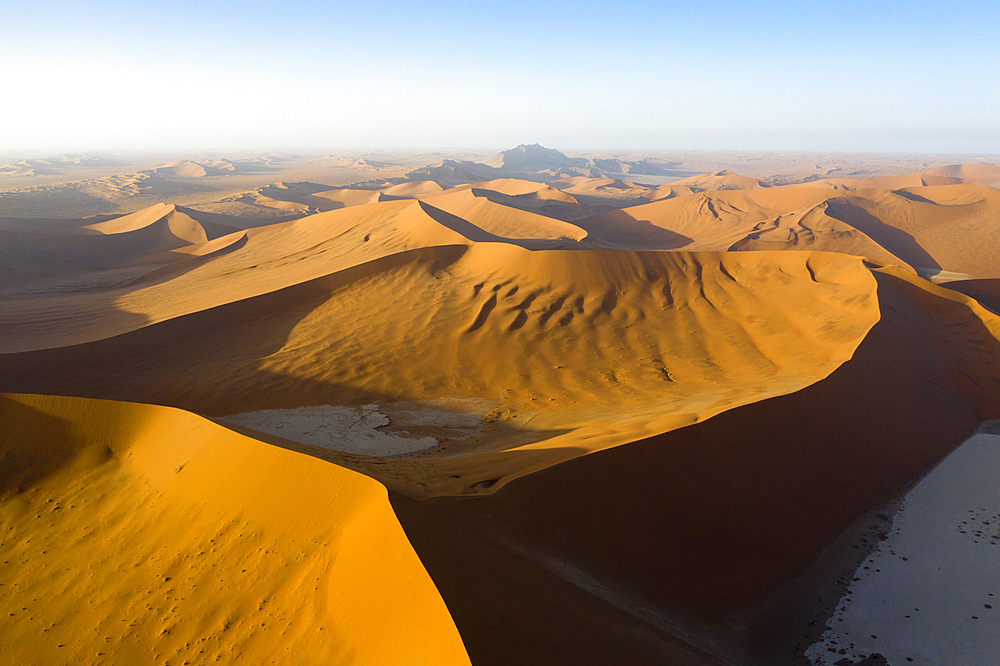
(854, 76)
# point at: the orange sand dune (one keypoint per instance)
(188, 225)
(954, 228)
(986, 292)
(619, 368)
(636, 453)
(955, 174)
(703, 221)
(414, 189)
(37, 258)
(490, 214)
(180, 225)
(137, 534)
(510, 186)
(604, 188)
(181, 169)
(720, 180)
(523, 195)
(814, 228)
(532, 197)
(602, 347)
(987, 174)
(348, 197)
(302, 197)
(949, 228)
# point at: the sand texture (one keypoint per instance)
(136, 534)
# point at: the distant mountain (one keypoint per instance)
(449, 173)
(537, 159)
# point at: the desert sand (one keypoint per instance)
(619, 419)
(138, 534)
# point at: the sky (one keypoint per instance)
(723, 75)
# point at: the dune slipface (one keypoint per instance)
(138, 534)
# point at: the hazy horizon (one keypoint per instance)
(775, 77)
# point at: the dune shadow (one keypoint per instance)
(896, 241)
(33, 445)
(459, 225)
(916, 198)
(619, 229)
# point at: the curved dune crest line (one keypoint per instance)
(145, 533)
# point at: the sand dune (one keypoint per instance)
(986, 174)
(986, 292)
(880, 182)
(738, 560)
(941, 228)
(185, 224)
(181, 169)
(41, 259)
(952, 227)
(532, 197)
(605, 347)
(814, 228)
(711, 221)
(492, 215)
(720, 180)
(139, 534)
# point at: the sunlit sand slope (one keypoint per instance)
(136, 535)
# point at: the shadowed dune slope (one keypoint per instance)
(986, 292)
(688, 533)
(139, 534)
(27, 257)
